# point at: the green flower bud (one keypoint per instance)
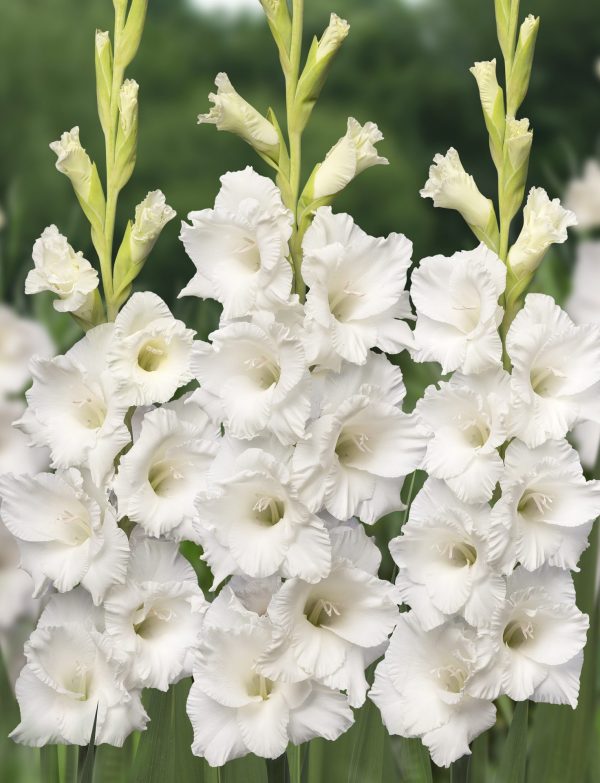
(520, 74)
(132, 33)
(280, 24)
(507, 16)
(317, 66)
(104, 65)
(492, 103)
(232, 113)
(517, 147)
(126, 148)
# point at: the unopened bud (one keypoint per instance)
(545, 222)
(521, 70)
(232, 113)
(492, 103)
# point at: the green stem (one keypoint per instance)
(49, 764)
(295, 141)
(112, 190)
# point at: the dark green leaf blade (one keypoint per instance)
(514, 756)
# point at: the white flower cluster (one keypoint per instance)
(313, 435)
(290, 429)
(20, 339)
(484, 559)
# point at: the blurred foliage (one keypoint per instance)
(404, 67)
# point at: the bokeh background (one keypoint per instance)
(404, 66)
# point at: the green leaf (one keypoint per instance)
(413, 760)
(478, 768)
(459, 770)
(87, 757)
(563, 739)
(164, 751)
(295, 759)
(49, 764)
(514, 756)
(249, 769)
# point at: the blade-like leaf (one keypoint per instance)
(478, 768)
(459, 770)
(249, 769)
(514, 756)
(87, 756)
(563, 739)
(295, 754)
(413, 760)
(49, 764)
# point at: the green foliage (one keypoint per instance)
(514, 756)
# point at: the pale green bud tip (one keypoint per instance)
(336, 32)
(128, 103)
(449, 186)
(529, 27)
(231, 112)
(545, 222)
(353, 153)
(102, 41)
(271, 7)
(151, 216)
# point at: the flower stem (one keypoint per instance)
(112, 189)
(295, 141)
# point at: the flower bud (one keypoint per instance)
(517, 148)
(507, 13)
(318, 62)
(353, 153)
(132, 32)
(545, 222)
(520, 74)
(492, 103)
(104, 63)
(280, 24)
(74, 162)
(126, 148)
(59, 269)
(151, 216)
(232, 113)
(449, 186)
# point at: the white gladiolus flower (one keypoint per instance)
(240, 247)
(72, 679)
(16, 456)
(447, 558)
(351, 155)
(232, 113)
(545, 222)
(583, 306)
(458, 315)
(538, 638)
(466, 419)
(159, 477)
(73, 408)
(20, 340)
(16, 587)
(358, 451)
(155, 618)
(260, 526)
(583, 196)
(556, 371)
(449, 186)
(260, 373)
(151, 352)
(352, 306)
(332, 630)
(423, 687)
(546, 504)
(66, 531)
(248, 712)
(58, 268)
